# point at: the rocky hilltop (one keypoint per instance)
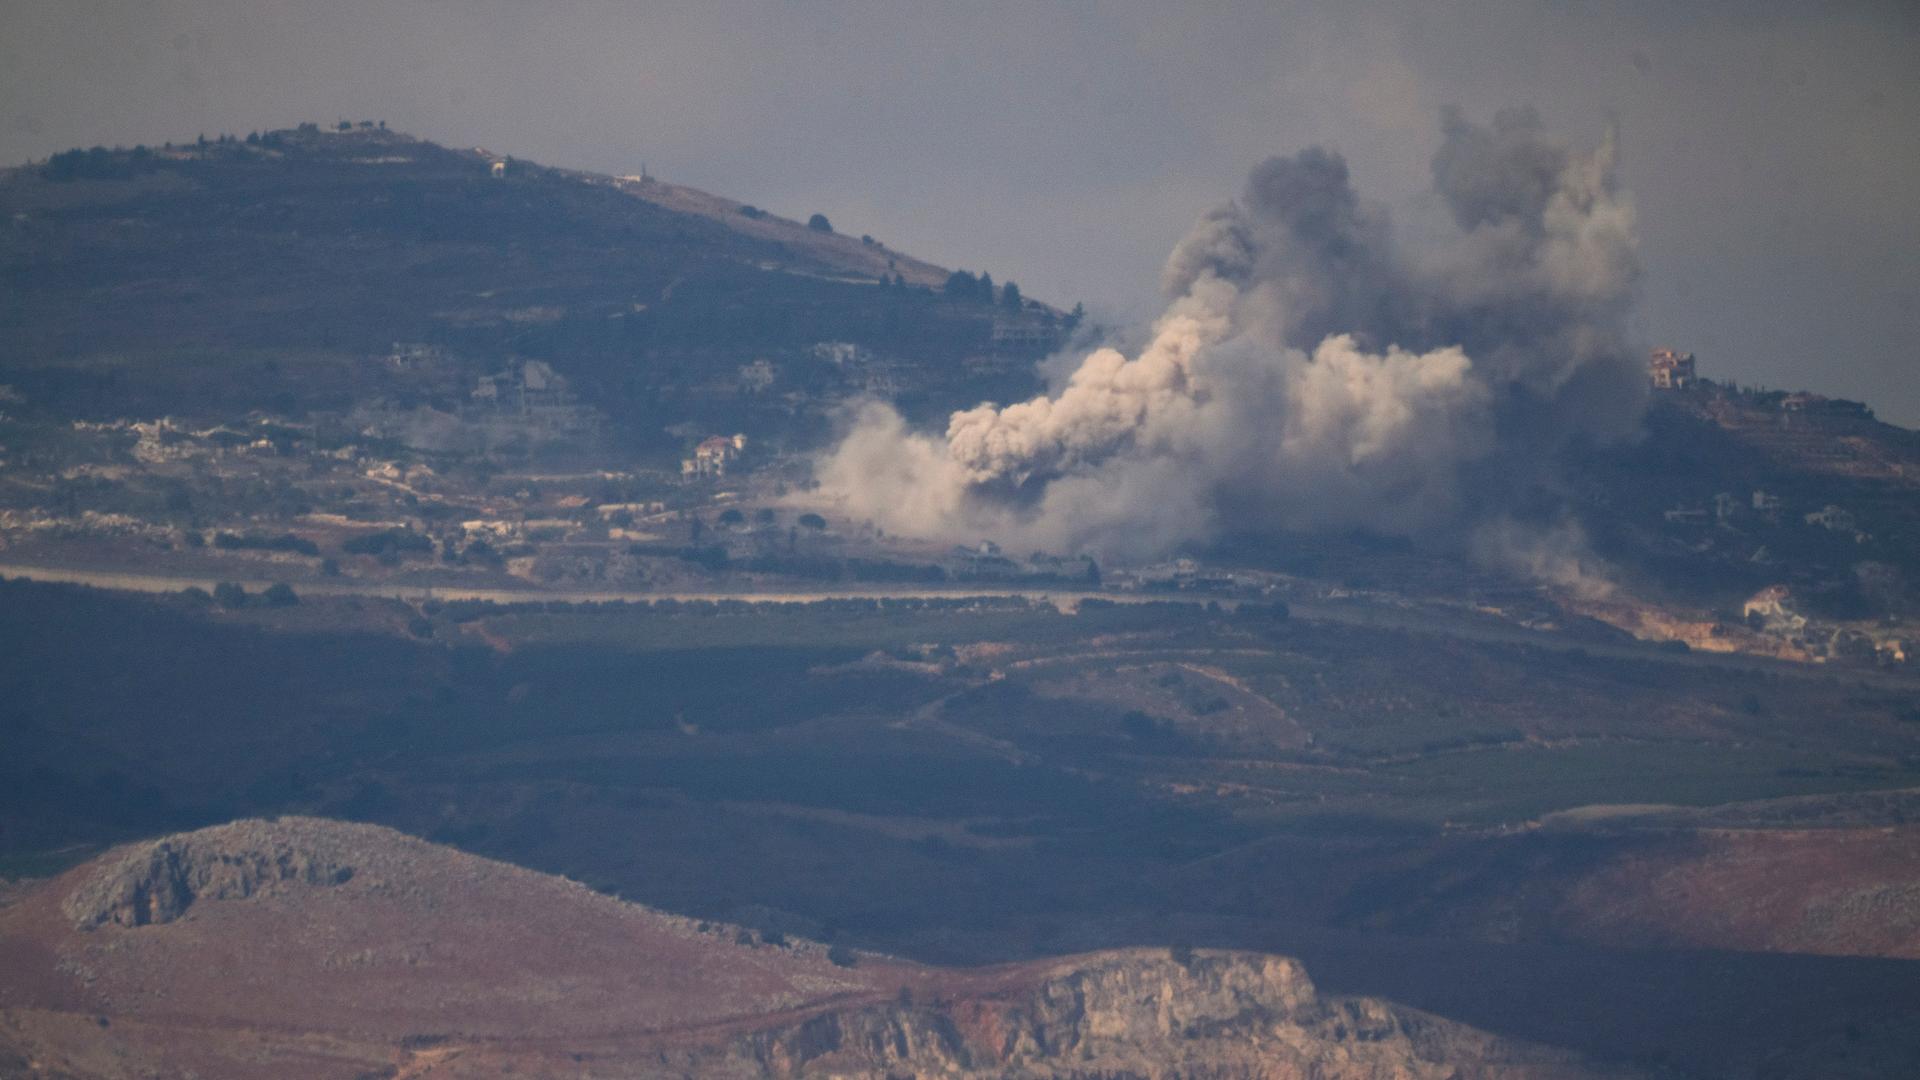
(157, 882)
(306, 947)
(1142, 1013)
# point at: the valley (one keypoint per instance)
(434, 643)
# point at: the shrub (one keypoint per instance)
(227, 541)
(229, 594)
(841, 956)
(396, 541)
(813, 521)
(819, 223)
(280, 594)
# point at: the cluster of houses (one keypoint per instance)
(1727, 509)
(1770, 611)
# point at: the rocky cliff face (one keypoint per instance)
(1140, 1013)
(156, 882)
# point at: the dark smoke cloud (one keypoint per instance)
(1308, 373)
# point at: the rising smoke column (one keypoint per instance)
(1308, 373)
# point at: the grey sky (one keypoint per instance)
(1772, 149)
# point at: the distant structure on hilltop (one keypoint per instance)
(1670, 369)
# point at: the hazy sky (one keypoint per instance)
(1772, 149)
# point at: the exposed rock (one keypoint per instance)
(1140, 1013)
(376, 938)
(157, 881)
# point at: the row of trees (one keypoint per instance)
(962, 285)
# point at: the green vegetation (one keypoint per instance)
(390, 541)
(249, 542)
(642, 308)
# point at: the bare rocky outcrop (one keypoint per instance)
(1141, 1013)
(157, 881)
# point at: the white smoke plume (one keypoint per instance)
(1307, 373)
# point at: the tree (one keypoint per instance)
(229, 594)
(962, 285)
(1010, 296)
(841, 956)
(732, 516)
(280, 594)
(819, 223)
(813, 521)
(984, 291)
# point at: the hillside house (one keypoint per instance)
(1767, 612)
(1833, 519)
(524, 387)
(1024, 334)
(1815, 404)
(1670, 369)
(412, 356)
(713, 455)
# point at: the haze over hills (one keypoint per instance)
(431, 490)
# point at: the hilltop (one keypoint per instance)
(315, 269)
(305, 947)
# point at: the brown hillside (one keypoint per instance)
(303, 947)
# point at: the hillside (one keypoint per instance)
(303, 947)
(309, 269)
(1668, 877)
(1777, 524)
